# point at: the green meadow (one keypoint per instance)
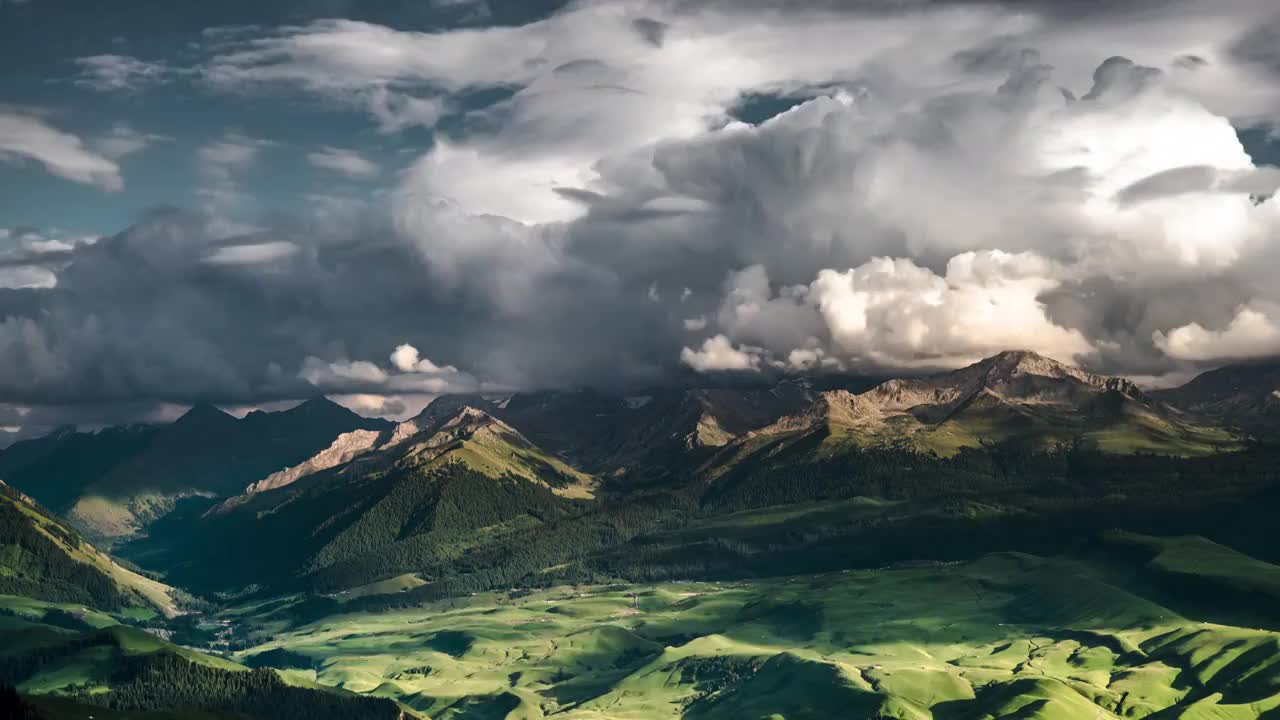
(1009, 636)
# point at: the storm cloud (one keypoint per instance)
(945, 180)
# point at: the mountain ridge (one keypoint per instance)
(1010, 394)
(115, 482)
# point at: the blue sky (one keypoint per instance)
(254, 202)
(41, 42)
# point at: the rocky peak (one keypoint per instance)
(1014, 363)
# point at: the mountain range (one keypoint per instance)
(113, 482)
(338, 498)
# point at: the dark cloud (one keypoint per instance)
(1260, 45)
(589, 213)
(653, 31)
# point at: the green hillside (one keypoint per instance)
(42, 558)
(460, 486)
(128, 670)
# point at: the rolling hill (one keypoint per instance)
(121, 671)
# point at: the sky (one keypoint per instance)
(251, 203)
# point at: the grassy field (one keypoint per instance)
(1008, 636)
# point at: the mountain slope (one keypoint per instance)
(648, 436)
(56, 468)
(43, 559)
(1012, 395)
(1247, 396)
(115, 482)
(411, 499)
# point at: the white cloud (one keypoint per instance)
(894, 313)
(695, 324)
(344, 162)
(109, 73)
(325, 374)
(406, 359)
(28, 138)
(123, 141)
(222, 162)
(410, 375)
(233, 153)
(252, 254)
(718, 354)
(1254, 332)
(27, 276)
(396, 111)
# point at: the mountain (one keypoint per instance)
(42, 558)
(373, 505)
(115, 482)
(1247, 396)
(648, 435)
(1015, 394)
(57, 467)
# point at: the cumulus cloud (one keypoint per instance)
(894, 313)
(26, 138)
(344, 162)
(410, 374)
(1254, 332)
(406, 359)
(718, 354)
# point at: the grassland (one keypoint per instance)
(1007, 636)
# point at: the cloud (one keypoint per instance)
(116, 73)
(222, 162)
(344, 162)
(406, 359)
(929, 186)
(893, 313)
(410, 374)
(252, 253)
(1254, 332)
(123, 141)
(29, 138)
(27, 276)
(233, 153)
(718, 354)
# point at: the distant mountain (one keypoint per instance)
(57, 467)
(114, 482)
(44, 559)
(1015, 394)
(375, 503)
(1243, 395)
(648, 435)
